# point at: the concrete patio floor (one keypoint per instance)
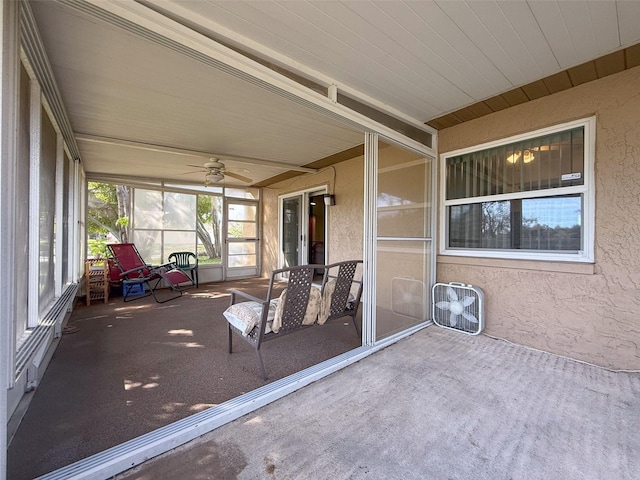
(436, 405)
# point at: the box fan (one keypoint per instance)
(458, 307)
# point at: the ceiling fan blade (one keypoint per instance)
(239, 177)
(237, 169)
(197, 166)
(193, 171)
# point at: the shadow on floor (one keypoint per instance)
(126, 369)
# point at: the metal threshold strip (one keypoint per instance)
(136, 451)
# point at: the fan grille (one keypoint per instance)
(458, 307)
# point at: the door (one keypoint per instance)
(401, 249)
(241, 238)
(303, 220)
(292, 237)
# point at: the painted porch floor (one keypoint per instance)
(436, 405)
(127, 369)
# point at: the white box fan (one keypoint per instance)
(458, 307)
(409, 297)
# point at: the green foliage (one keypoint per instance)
(235, 230)
(97, 248)
(108, 210)
(122, 222)
(205, 208)
(102, 207)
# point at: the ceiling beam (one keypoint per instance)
(83, 137)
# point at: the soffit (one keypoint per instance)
(116, 85)
(428, 61)
(420, 59)
(588, 71)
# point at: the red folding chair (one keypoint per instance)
(137, 276)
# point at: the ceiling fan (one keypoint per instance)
(215, 172)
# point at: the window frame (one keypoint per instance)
(587, 191)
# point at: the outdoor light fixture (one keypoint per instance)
(329, 199)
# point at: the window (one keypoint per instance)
(166, 222)
(528, 197)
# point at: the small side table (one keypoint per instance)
(97, 279)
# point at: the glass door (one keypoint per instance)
(292, 237)
(402, 246)
(241, 238)
(303, 220)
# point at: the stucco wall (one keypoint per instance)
(587, 312)
(345, 218)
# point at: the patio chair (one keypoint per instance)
(187, 262)
(259, 320)
(137, 275)
(301, 305)
(341, 292)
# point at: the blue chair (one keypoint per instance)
(187, 262)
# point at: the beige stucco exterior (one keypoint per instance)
(346, 222)
(588, 312)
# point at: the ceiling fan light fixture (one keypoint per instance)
(513, 158)
(213, 177)
(214, 163)
(528, 157)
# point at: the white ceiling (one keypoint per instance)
(417, 60)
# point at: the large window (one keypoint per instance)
(526, 197)
(166, 222)
(158, 221)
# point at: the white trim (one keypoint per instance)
(141, 20)
(547, 192)
(370, 238)
(243, 271)
(74, 220)
(58, 216)
(70, 217)
(194, 153)
(35, 151)
(587, 190)
(9, 94)
(296, 67)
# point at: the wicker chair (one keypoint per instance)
(257, 320)
(345, 298)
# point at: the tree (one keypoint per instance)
(109, 210)
(124, 212)
(208, 215)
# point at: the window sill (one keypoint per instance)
(579, 268)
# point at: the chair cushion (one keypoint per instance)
(325, 304)
(246, 315)
(327, 297)
(310, 315)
